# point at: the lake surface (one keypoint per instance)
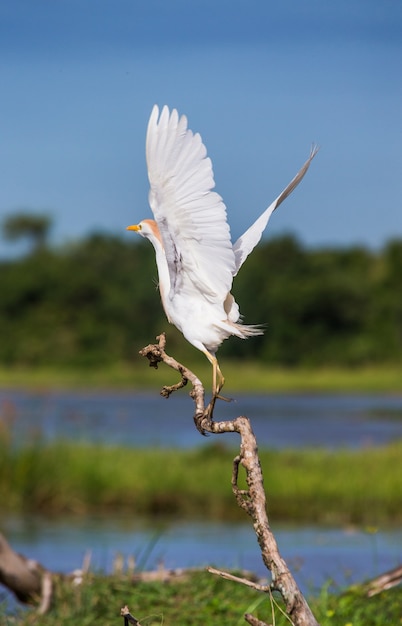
(314, 554)
(143, 420)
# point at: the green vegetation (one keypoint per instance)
(357, 487)
(200, 599)
(241, 376)
(94, 303)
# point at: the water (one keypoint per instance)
(314, 554)
(139, 419)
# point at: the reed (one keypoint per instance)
(310, 486)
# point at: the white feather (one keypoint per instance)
(247, 242)
(190, 216)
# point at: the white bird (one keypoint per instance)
(195, 257)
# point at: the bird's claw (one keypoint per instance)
(204, 419)
(203, 422)
(219, 397)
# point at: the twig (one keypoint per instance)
(128, 618)
(46, 592)
(253, 620)
(252, 500)
(238, 579)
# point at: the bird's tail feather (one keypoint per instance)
(243, 331)
(248, 330)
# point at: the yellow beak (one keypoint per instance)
(135, 227)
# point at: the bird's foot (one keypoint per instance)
(219, 397)
(202, 423)
(204, 419)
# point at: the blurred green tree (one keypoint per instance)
(95, 301)
(22, 225)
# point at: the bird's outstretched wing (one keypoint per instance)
(247, 242)
(190, 216)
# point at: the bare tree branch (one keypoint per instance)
(156, 354)
(252, 499)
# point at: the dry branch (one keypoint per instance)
(385, 581)
(128, 618)
(29, 581)
(26, 578)
(252, 499)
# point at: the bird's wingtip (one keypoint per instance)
(314, 149)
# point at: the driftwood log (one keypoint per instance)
(27, 579)
(252, 499)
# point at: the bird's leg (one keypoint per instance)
(215, 369)
(218, 373)
(218, 379)
(218, 386)
(205, 419)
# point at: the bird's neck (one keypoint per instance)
(163, 272)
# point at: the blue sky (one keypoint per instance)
(260, 80)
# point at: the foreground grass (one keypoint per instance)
(309, 486)
(200, 599)
(241, 377)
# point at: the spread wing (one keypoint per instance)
(190, 216)
(247, 242)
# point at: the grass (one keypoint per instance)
(309, 486)
(199, 599)
(241, 376)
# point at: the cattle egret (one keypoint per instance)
(195, 257)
